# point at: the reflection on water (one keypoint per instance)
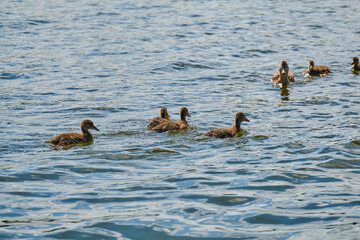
(69, 146)
(284, 92)
(292, 173)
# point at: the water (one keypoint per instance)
(292, 174)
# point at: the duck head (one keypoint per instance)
(355, 61)
(88, 124)
(284, 71)
(239, 118)
(164, 114)
(311, 64)
(184, 113)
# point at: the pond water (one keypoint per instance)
(292, 173)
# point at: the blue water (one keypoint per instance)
(293, 173)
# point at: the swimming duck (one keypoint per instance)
(317, 70)
(71, 138)
(356, 64)
(231, 131)
(174, 125)
(164, 116)
(283, 77)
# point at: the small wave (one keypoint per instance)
(268, 51)
(186, 65)
(31, 177)
(185, 179)
(222, 200)
(32, 194)
(95, 170)
(37, 22)
(314, 206)
(305, 178)
(276, 219)
(73, 234)
(109, 199)
(5, 75)
(277, 188)
(260, 137)
(122, 133)
(141, 188)
(312, 26)
(215, 183)
(107, 14)
(336, 164)
(126, 230)
(162, 151)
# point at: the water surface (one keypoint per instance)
(293, 173)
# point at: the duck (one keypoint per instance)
(174, 125)
(72, 137)
(283, 77)
(356, 64)
(164, 117)
(317, 70)
(231, 131)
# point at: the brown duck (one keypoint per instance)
(164, 117)
(71, 138)
(231, 131)
(317, 70)
(283, 77)
(356, 64)
(174, 125)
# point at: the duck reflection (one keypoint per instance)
(284, 92)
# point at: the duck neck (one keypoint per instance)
(356, 66)
(310, 68)
(87, 135)
(183, 116)
(284, 77)
(163, 115)
(237, 124)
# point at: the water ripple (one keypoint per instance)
(292, 173)
(276, 219)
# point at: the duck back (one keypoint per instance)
(222, 132)
(69, 138)
(171, 125)
(318, 71)
(156, 121)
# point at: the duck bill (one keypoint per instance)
(246, 120)
(95, 128)
(188, 115)
(353, 63)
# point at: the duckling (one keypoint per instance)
(231, 131)
(317, 70)
(356, 64)
(174, 125)
(164, 117)
(283, 77)
(71, 138)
